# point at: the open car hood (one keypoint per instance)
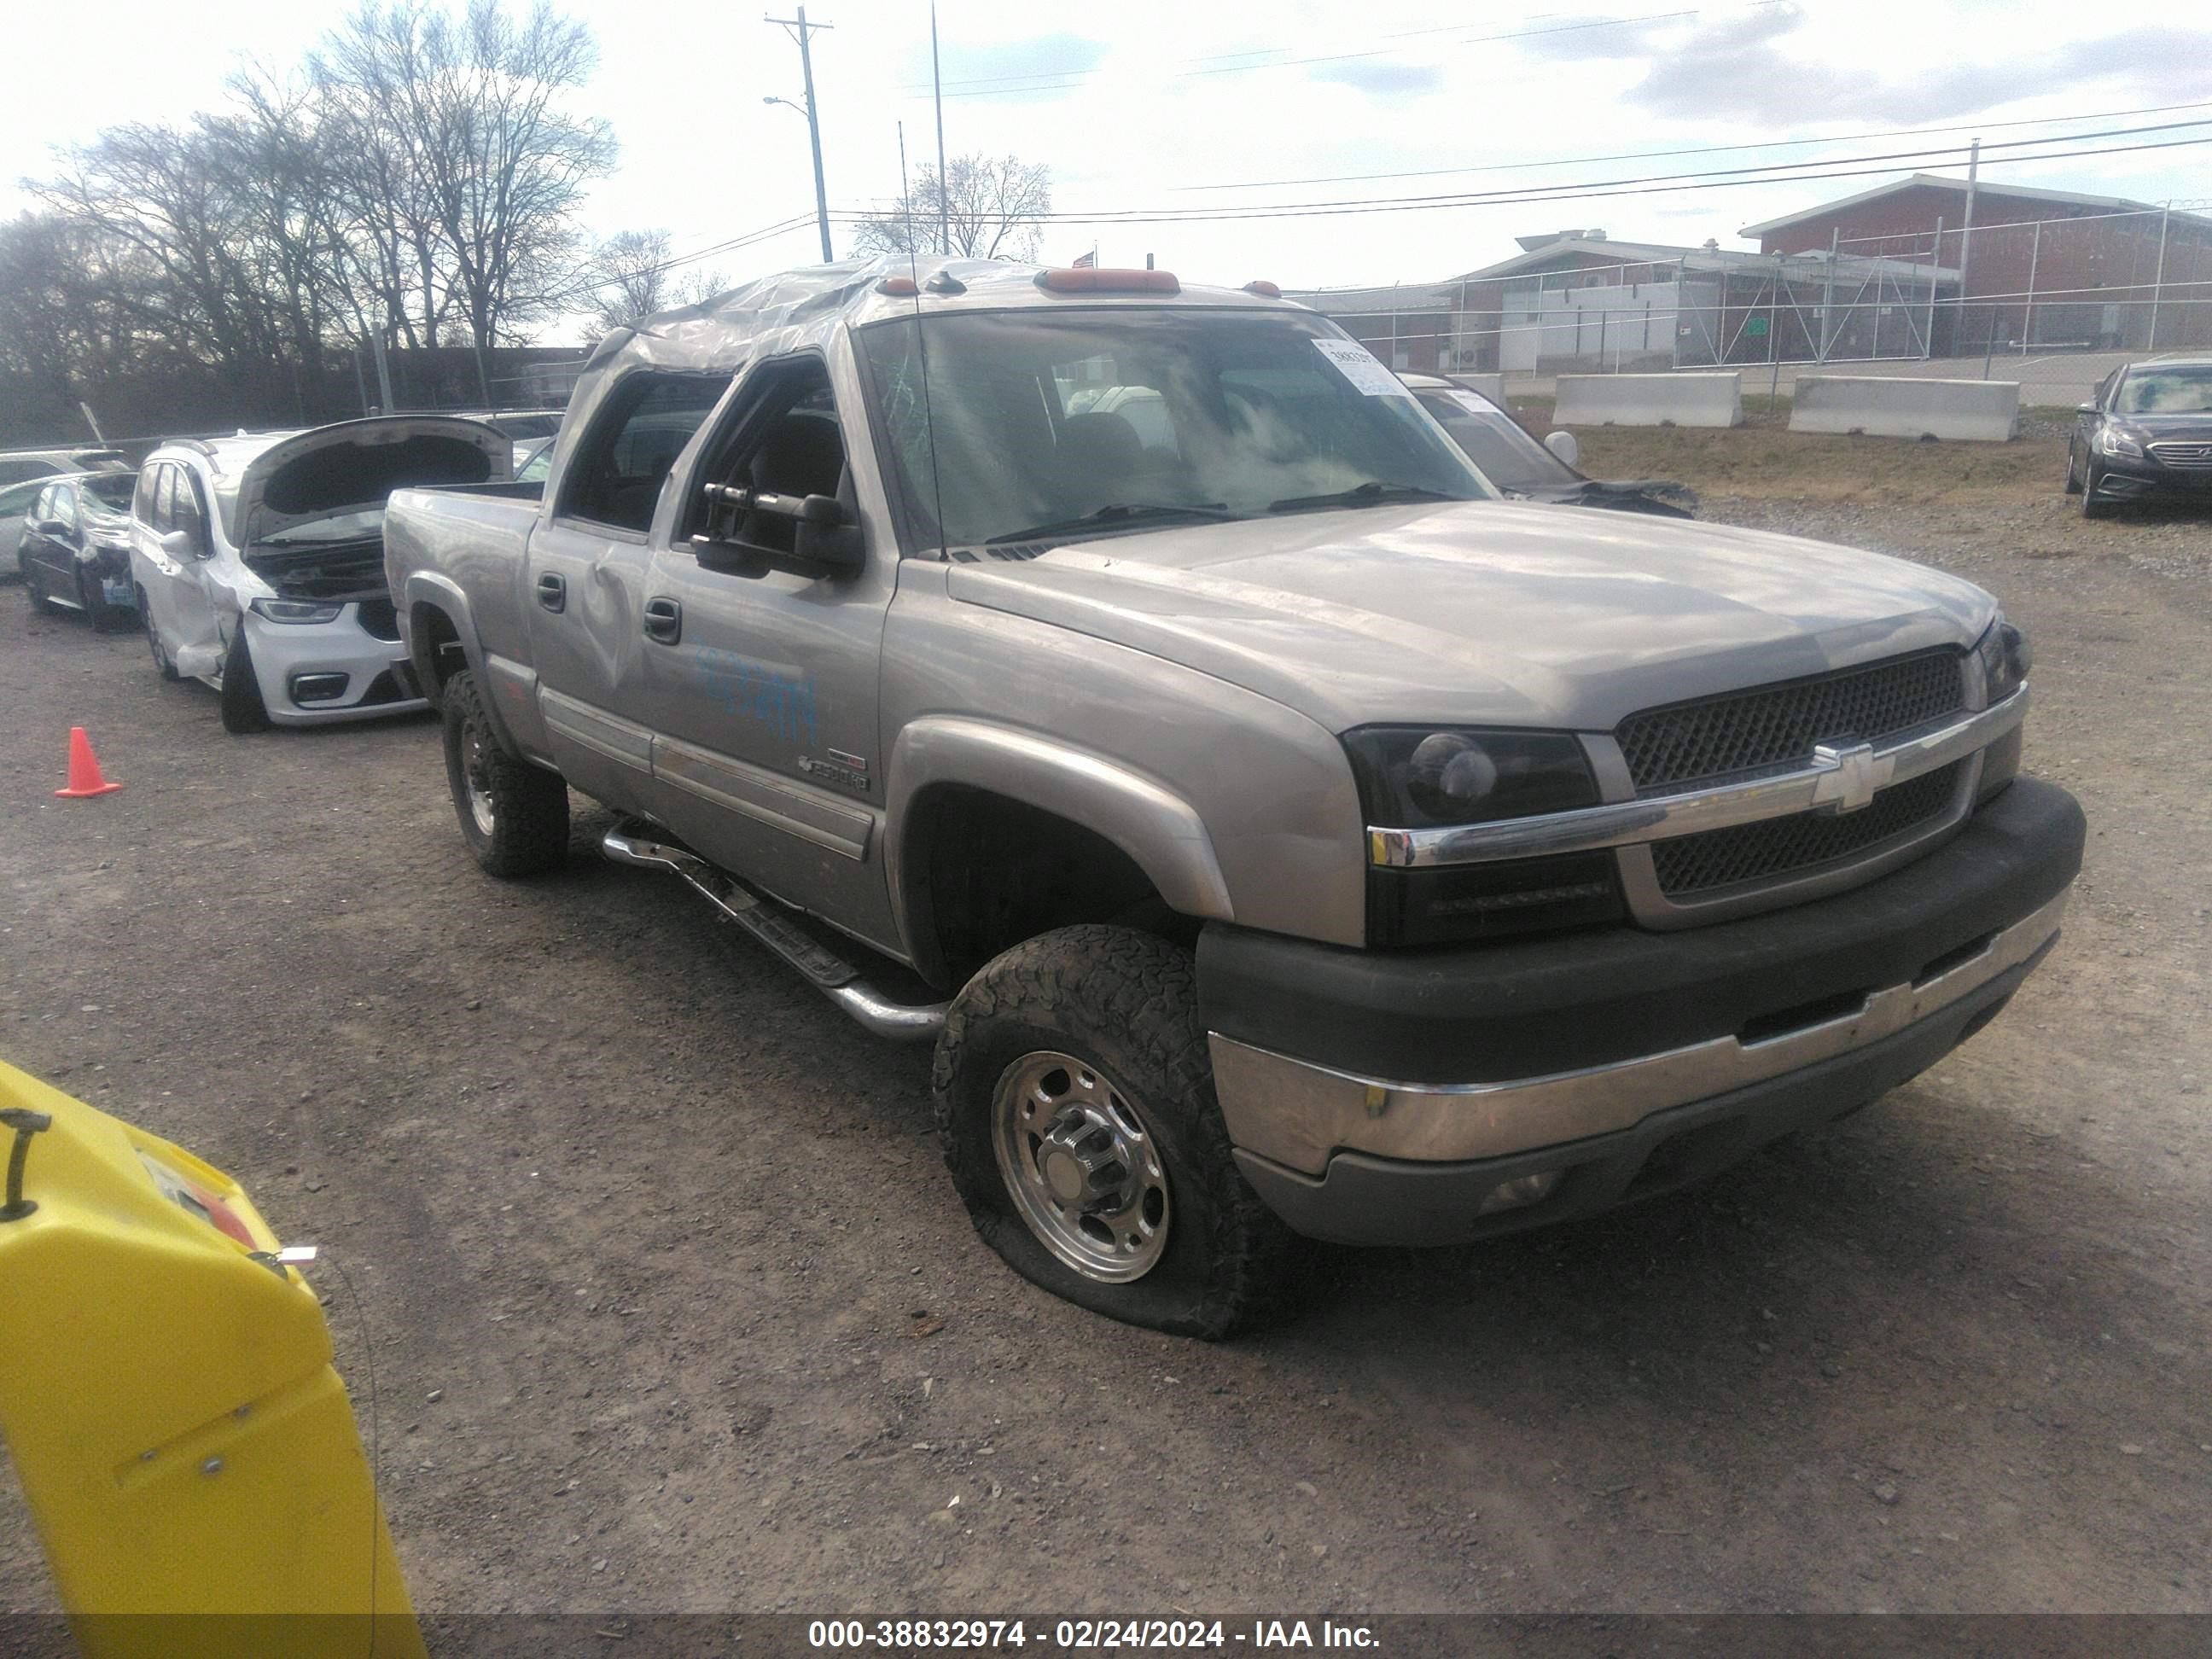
(353, 466)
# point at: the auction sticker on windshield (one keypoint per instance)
(1362, 367)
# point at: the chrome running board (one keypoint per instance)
(829, 973)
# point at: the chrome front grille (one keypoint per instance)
(1691, 743)
(2182, 453)
(1782, 849)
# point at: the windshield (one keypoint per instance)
(2167, 390)
(1495, 443)
(1040, 419)
(112, 490)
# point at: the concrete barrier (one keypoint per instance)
(1692, 399)
(1984, 411)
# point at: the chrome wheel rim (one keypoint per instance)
(475, 773)
(1081, 1166)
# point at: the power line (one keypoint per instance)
(1702, 149)
(1770, 173)
(987, 86)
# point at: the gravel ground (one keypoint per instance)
(670, 1305)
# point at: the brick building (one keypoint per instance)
(2047, 267)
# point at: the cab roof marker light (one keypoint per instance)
(898, 288)
(1109, 281)
(1263, 288)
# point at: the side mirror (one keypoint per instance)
(176, 544)
(2085, 409)
(1563, 444)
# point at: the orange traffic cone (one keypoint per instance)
(84, 770)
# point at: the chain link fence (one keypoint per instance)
(2054, 304)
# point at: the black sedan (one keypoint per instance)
(75, 549)
(1505, 453)
(2146, 435)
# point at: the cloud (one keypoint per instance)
(1379, 80)
(1011, 58)
(1736, 72)
(1578, 38)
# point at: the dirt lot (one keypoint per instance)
(671, 1243)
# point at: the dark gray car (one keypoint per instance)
(74, 553)
(2146, 435)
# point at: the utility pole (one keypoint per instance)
(2158, 281)
(1967, 229)
(944, 185)
(801, 31)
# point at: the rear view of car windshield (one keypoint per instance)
(113, 489)
(1506, 455)
(2167, 391)
(1127, 415)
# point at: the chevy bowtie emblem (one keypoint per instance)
(1857, 774)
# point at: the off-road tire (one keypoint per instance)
(243, 711)
(2073, 471)
(529, 831)
(1128, 1003)
(161, 659)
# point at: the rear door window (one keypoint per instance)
(616, 476)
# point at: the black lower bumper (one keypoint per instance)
(1520, 1012)
(1365, 1200)
(2128, 480)
(1526, 1008)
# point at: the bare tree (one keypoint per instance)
(993, 209)
(475, 150)
(633, 274)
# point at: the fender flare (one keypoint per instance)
(1159, 830)
(442, 593)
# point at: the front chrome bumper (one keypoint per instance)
(1298, 1115)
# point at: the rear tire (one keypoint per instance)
(162, 660)
(243, 710)
(513, 816)
(1083, 1049)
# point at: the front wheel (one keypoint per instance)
(2091, 507)
(515, 816)
(243, 710)
(2073, 470)
(1075, 1104)
(162, 660)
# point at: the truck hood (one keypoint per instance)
(351, 467)
(1484, 612)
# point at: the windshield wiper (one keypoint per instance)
(1119, 513)
(1367, 495)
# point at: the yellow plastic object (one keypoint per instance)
(166, 1393)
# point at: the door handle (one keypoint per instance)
(664, 621)
(553, 591)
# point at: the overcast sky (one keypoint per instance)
(1171, 104)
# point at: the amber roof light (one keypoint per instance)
(1091, 280)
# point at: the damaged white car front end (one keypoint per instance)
(260, 562)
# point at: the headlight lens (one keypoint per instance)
(2005, 659)
(2114, 442)
(1416, 777)
(297, 610)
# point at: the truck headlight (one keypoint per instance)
(2115, 441)
(1416, 777)
(2005, 659)
(297, 610)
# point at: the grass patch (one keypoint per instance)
(1763, 459)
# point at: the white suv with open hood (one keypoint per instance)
(260, 562)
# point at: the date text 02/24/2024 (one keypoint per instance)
(1083, 1634)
